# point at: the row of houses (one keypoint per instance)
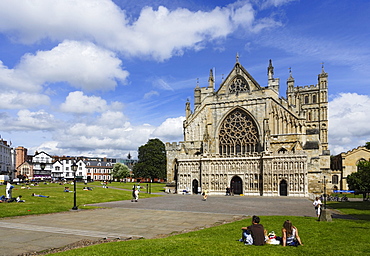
(43, 166)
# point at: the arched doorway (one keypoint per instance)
(195, 186)
(283, 188)
(236, 185)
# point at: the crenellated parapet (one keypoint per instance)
(173, 146)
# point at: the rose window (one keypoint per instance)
(238, 134)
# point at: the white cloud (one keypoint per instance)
(348, 121)
(20, 100)
(28, 121)
(159, 33)
(162, 84)
(39, 120)
(103, 136)
(29, 21)
(81, 64)
(11, 79)
(150, 94)
(110, 138)
(275, 3)
(77, 102)
(170, 130)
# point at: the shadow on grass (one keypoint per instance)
(359, 210)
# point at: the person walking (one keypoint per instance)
(205, 195)
(317, 204)
(8, 190)
(136, 193)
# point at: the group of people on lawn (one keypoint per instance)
(255, 234)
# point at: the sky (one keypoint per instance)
(102, 77)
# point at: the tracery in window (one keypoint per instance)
(238, 134)
(238, 85)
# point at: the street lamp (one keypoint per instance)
(325, 215)
(74, 169)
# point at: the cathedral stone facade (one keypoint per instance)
(246, 137)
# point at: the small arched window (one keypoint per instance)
(306, 99)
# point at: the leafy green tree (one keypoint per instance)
(120, 171)
(360, 180)
(151, 160)
(367, 145)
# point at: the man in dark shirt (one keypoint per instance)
(257, 231)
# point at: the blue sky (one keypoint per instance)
(101, 77)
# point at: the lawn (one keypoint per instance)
(60, 201)
(340, 237)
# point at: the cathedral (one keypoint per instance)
(245, 137)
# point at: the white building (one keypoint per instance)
(6, 159)
(62, 169)
(42, 165)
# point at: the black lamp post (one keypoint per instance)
(325, 215)
(325, 195)
(74, 169)
(324, 182)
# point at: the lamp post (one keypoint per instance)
(325, 215)
(325, 195)
(74, 169)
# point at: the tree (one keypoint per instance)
(367, 145)
(120, 171)
(151, 160)
(360, 180)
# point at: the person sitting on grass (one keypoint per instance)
(290, 234)
(33, 194)
(66, 189)
(2, 199)
(19, 199)
(253, 234)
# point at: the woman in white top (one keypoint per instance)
(290, 234)
(317, 203)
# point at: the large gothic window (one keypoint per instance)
(238, 134)
(238, 85)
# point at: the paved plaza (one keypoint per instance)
(148, 218)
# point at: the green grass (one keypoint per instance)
(358, 209)
(340, 237)
(60, 201)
